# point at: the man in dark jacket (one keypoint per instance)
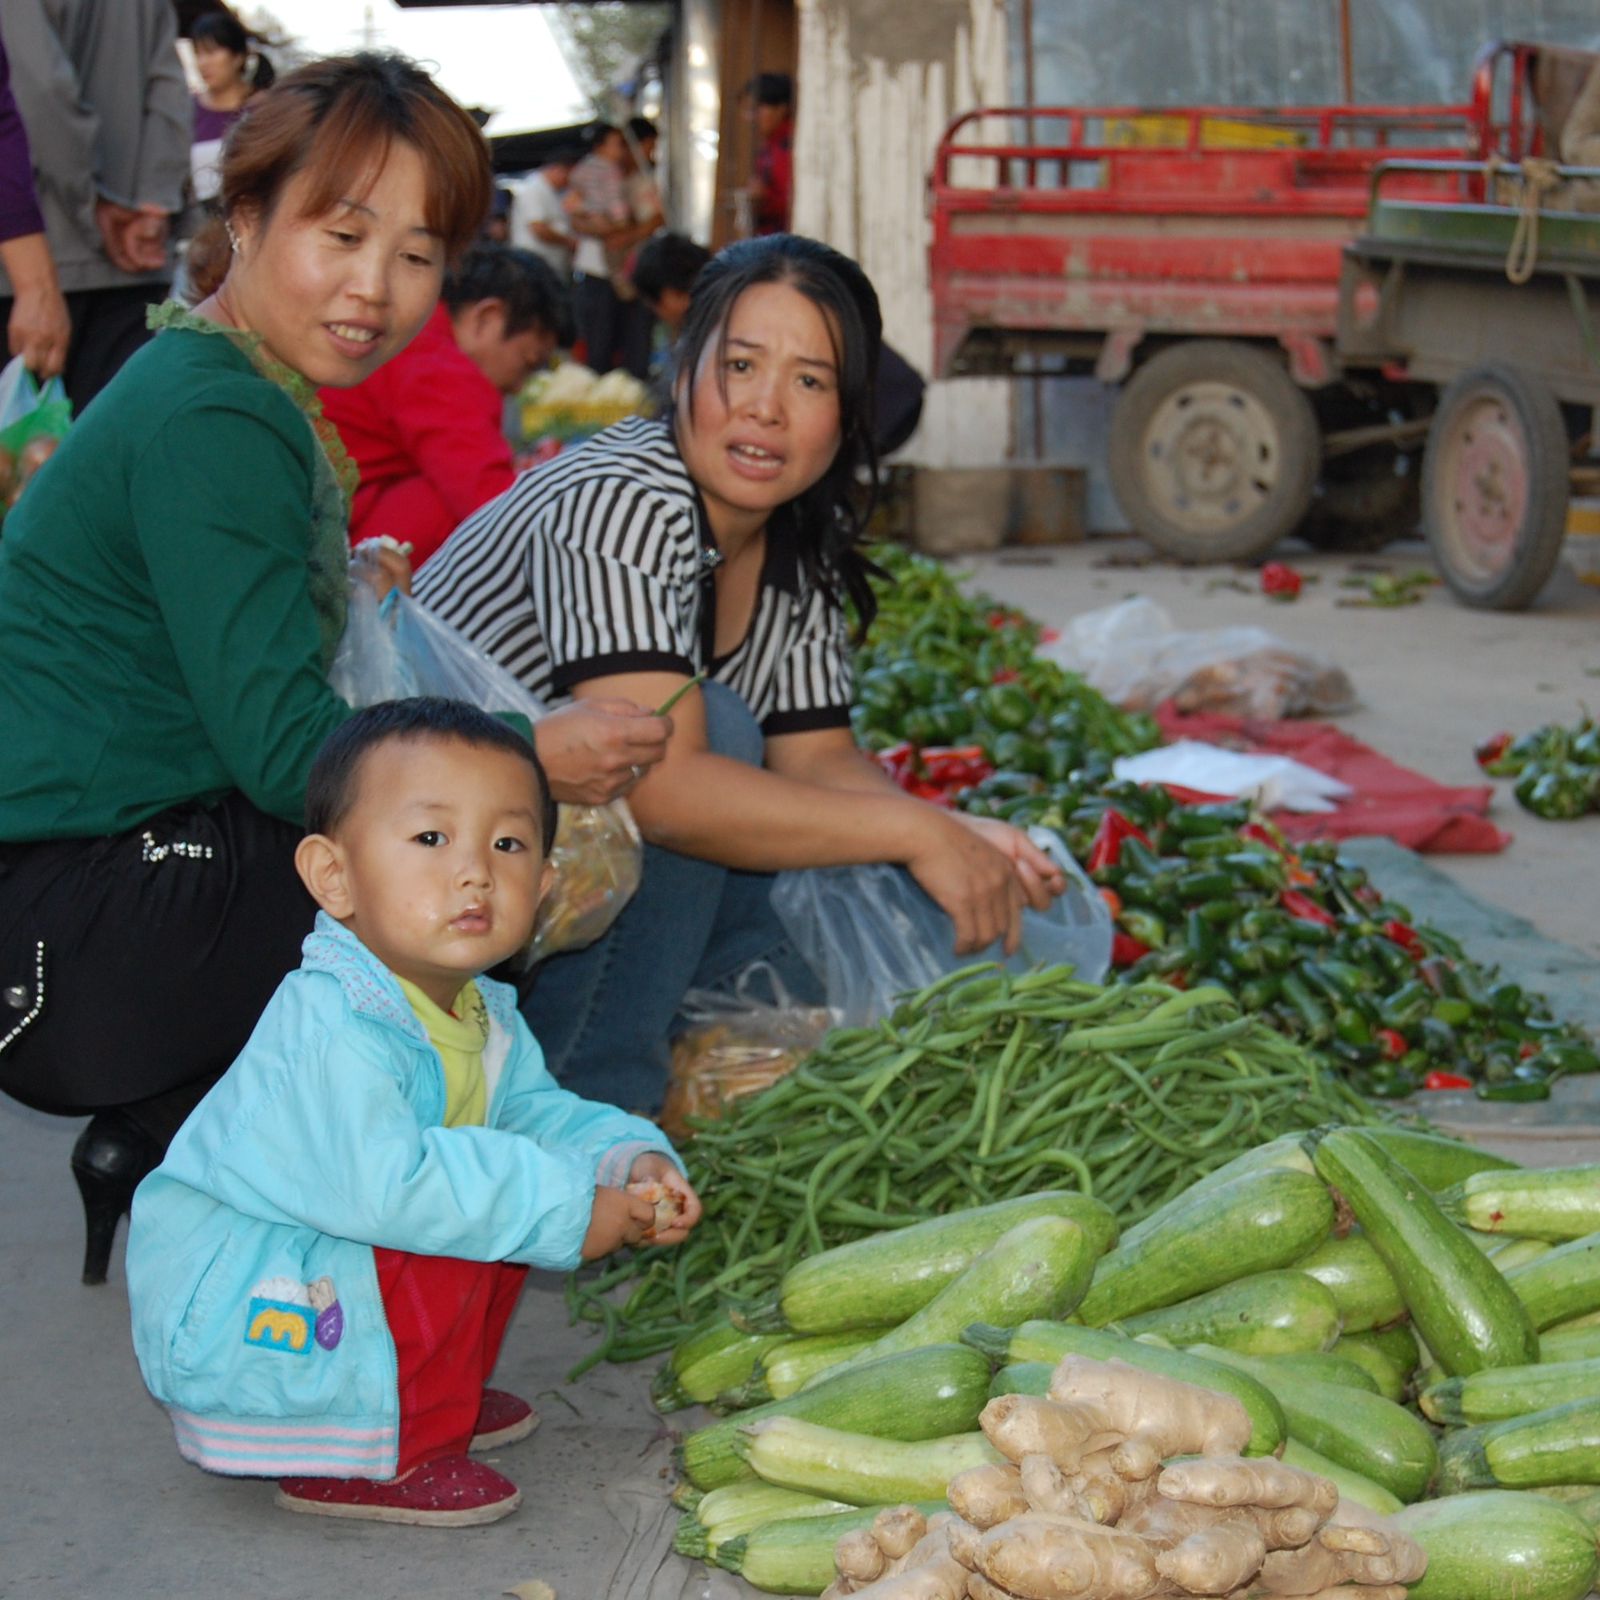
(101, 92)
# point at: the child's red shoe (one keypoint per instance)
(502, 1419)
(451, 1492)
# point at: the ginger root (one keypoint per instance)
(988, 1494)
(1343, 1553)
(925, 1570)
(1286, 1504)
(859, 1557)
(668, 1204)
(980, 1588)
(1214, 1560)
(1042, 1557)
(1047, 1488)
(1154, 1416)
(1248, 1481)
(1019, 1425)
(897, 1530)
(942, 1580)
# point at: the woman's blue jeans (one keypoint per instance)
(605, 1016)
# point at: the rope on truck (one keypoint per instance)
(1539, 177)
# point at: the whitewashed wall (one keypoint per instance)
(878, 82)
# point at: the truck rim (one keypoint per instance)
(1211, 456)
(1483, 473)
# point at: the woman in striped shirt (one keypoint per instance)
(722, 540)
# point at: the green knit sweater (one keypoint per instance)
(172, 589)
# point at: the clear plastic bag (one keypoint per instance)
(1135, 657)
(397, 648)
(872, 934)
(736, 1041)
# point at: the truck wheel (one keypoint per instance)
(1495, 487)
(1214, 451)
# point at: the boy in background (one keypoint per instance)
(322, 1269)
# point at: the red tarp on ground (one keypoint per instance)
(1388, 800)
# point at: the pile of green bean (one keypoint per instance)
(983, 1086)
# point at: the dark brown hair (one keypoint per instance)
(335, 119)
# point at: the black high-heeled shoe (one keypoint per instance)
(110, 1158)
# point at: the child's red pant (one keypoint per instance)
(448, 1318)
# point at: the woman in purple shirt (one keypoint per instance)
(232, 70)
(37, 328)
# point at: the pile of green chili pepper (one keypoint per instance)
(1557, 769)
(1305, 941)
(981, 1087)
(962, 712)
(943, 668)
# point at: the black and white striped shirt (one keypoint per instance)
(601, 563)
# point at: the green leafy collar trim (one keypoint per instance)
(299, 388)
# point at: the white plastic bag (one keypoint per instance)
(397, 649)
(872, 934)
(1136, 658)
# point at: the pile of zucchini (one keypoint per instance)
(1410, 1316)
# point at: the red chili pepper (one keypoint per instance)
(1125, 949)
(1492, 748)
(1391, 1043)
(1407, 938)
(1049, 635)
(1446, 1080)
(1303, 909)
(1105, 849)
(1279, 581)
(897, 757)
(1113, 902)
(956, 766)
(1261, 835)
(930, 792)
(1196, 797)
(1005, 675)
(1525, 1051)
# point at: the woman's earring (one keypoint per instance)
(233, 238)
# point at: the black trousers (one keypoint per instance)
(598, 315)
(133, 967)
(107, 327)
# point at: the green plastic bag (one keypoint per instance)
(29, 411)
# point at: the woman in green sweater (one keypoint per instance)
(172, 588)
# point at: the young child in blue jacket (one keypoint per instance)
(322, 1269)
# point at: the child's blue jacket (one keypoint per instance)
(256, 1313)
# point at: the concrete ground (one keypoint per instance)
(96, 1501)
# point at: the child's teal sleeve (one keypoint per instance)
(534, 1104)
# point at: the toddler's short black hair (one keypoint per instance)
(331, 787)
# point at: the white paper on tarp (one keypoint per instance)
(1276, 783)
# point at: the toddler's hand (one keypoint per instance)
(618, 1218)
(653, 1167)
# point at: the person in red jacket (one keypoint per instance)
(426, 429)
